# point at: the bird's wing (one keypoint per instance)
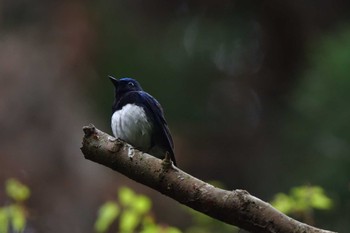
(161, 136)
(162, 130)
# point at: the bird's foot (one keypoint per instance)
(166, 162)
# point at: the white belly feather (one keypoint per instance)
(132, 126)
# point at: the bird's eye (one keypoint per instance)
(131, 84)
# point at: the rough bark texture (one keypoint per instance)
(236, 207)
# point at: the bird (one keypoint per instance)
(138, 119)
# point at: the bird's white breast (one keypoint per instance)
(132, 126)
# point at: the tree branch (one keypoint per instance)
(236, 207)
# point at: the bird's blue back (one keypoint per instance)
(129, 91)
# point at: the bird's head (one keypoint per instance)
(125, 85)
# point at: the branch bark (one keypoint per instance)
(236, 207)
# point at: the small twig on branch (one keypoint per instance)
(236, 207)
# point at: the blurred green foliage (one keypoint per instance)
(205, 224)
(302, 200)
(16, 190)
(314, 132)
(13, 216)
(107, 213)
(133, 212)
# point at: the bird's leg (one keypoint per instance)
(166, 162)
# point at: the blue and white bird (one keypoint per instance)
(138, 119)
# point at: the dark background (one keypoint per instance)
(256, 94)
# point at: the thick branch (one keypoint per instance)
(236, 207)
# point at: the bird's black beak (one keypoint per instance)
(114, 81)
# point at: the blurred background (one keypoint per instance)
(256, 95)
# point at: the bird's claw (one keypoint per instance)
(166, 162)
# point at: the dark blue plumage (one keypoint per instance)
(138, 119)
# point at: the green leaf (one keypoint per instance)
(128, 221)
(320, 200)
(107, 213)
(157, 228)
(141, 204)
(16, 190)
(302, 198)
(148, 224)
(283, 203)
(4, 220)
(172, 230)
(311, 197)
(18, 218)
(151, 228)
(126, 196)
